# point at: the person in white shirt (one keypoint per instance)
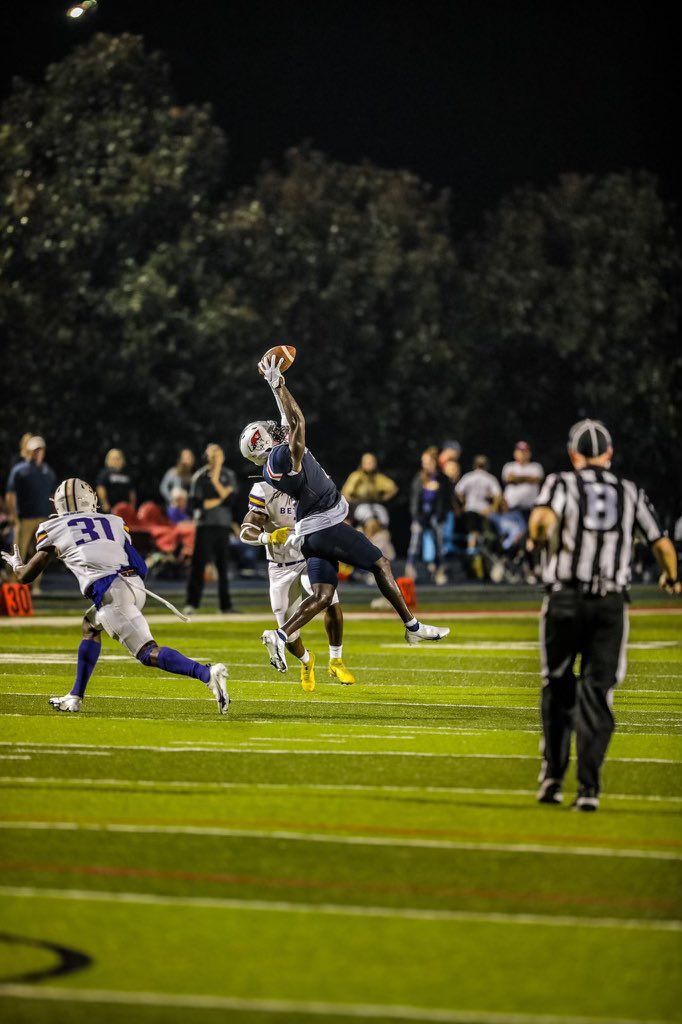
(96, 547)
(270, 519)
(478, 494)
(522, 479)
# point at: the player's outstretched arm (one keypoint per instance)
(291, 410)
(296, 421)
(31, 570)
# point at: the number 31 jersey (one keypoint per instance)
(91, 546)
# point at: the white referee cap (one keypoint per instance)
(589, 438)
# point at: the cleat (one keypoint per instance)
(423, 632)
(216, 685)
(308, 674)
(68, 703)
(276, 649)
(586, 800)
(550, 792)
(340, 672)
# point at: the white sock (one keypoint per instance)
(335, 652)
(305, 657)
(412, 623)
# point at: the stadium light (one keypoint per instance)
(78, 10)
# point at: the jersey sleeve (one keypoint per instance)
(279, 462)
(646, 518)
(552, 494)
(257, 499)
(43, 538)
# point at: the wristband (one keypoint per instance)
(264, 538)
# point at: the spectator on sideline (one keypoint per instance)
(450, 466)
(367, 490)
(428, 507)
(114, 485)
(522, 479)
(30, 485)
(478, 494)
(212, 494)
(180, 475)
(177, 509)
(21, 453)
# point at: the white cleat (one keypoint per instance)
(68, 703)
(417, 636)
(276, 649)
(216, 685)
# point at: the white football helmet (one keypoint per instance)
(74, 495)
(257, 440)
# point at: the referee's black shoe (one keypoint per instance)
(550, 792)
(586, 800)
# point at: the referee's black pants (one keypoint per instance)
(594, 628)
(211, 544)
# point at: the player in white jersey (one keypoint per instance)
(98, 551)
(269, 520)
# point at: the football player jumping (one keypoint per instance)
(321, 534)
(98, 551)
(269, 520)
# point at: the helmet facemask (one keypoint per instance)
(259, 438)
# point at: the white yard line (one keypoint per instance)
(43, 782)
(361, 1011)
(344, 910)
(290, 835)
(664, 715)
(51, 748)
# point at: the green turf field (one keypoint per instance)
(370, 852)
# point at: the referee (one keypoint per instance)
(585, 520)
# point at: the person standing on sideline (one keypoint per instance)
(521, 479)
(583, 521)
(179, 475)
(478, 495)
(30, 486)
(97, 549)
(114, 484)
(212, 493)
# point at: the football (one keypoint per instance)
(285, 352)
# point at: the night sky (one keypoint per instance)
(477, 97)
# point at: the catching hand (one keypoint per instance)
(14, 560)
(270, 368)
(279, 536)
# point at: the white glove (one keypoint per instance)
(270, 368)
(292, 547)
(14, 560)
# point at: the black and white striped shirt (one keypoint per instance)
(598, 516)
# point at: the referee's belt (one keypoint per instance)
(597, 588)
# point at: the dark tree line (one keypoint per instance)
(137, 294)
